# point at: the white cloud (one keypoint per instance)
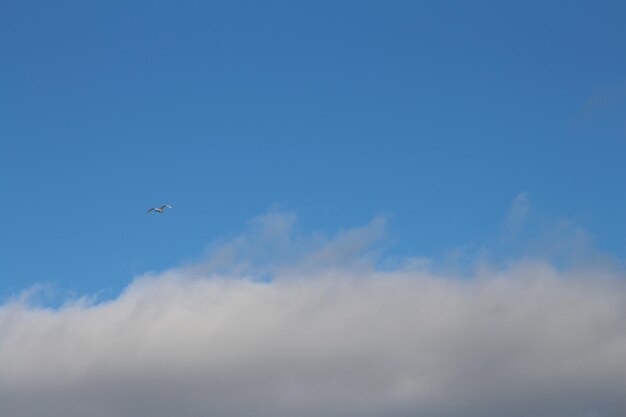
(518, 214)
(330, 335)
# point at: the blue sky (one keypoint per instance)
(435, 114)
(381, 208)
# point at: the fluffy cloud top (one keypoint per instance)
(276, 325)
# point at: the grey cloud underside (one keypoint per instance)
(527, 343)
(330, 335)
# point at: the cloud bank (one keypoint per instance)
(274, 324)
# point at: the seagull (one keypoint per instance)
(159, 209)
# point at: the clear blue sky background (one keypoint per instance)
(436, 113)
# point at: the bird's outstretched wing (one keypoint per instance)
(165, 206)
(149, 210)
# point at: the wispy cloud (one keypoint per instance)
(603, 110)
(517, 215)
(328, 334)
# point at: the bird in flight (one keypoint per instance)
(159, 209)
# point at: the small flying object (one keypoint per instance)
(159, 209)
